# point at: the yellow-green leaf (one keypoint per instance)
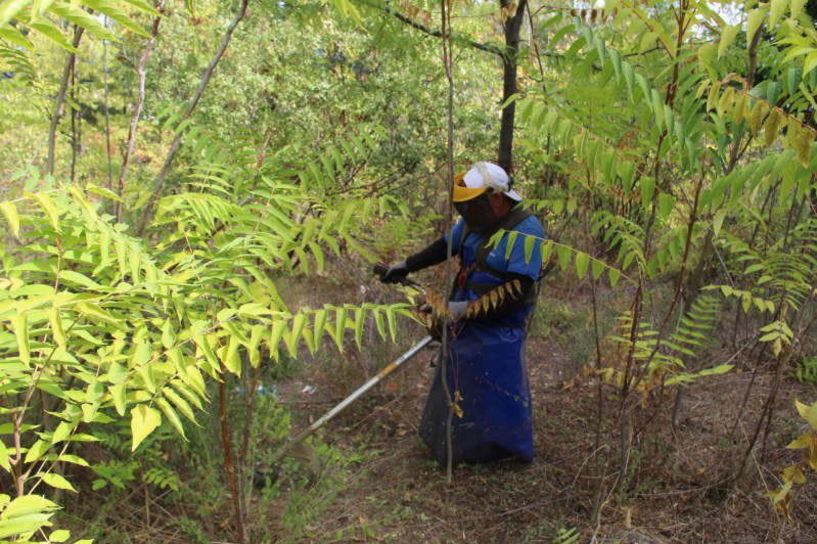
(19, 325)
(191, 393)
(4, 457)
(380, 323)
(253, 350)
(37, 450)
(647, 186)
(103, 192)
(232, 361)
(55, 321)
(809, 413)
(547, 248)
(63, 431)
(728, 35)
(144, 420)
(181, 404)
(614, 276)
(359, 315)
(319, 325)
(171, 416)
(11, 9)
(530, 243)
(717, 221)
(392, 320)
(582, 261)
(510, 243)
(78, 278)
(49, 209)
(57, 481)
(706, 53)
(10, 213)
(340, 327)
(597, 268)
(118, 396)
(276, 333)
(563, 254)
(93, 311)
(754, 19)
(777, 7)
(796, 6)
(298, 324)
(60, 535)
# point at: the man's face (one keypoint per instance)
(477, 213)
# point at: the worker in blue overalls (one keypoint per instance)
(486, 374)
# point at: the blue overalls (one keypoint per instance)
(486, 369)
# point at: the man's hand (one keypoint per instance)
(396, 273)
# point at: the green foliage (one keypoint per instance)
(107, 329)
(567, 536)
(665, 359)
(20, 17)
(806, 370)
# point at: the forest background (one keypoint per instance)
(193, 195)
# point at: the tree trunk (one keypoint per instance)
(229, 460)
(512, 26)
(59, 103)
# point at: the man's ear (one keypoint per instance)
(497, 201)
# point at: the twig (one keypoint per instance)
(59, 103)
(141, 71)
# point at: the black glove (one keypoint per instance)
(395, 273)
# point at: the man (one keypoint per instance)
(486, 374)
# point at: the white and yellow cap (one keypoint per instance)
(483, 176)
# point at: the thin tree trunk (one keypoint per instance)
(141, 71)
(107, 110)
(229, 460)
(246, 478)
(74, 128)
(448, 60)
(59, 103)
(191, 107)
(764, 419)
(509, 62)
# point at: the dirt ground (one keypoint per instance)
(677, 489)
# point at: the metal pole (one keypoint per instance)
(386, 371)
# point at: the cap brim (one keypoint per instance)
(513, 195)
(464, 194)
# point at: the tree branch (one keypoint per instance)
(191, 107)
(488, 48)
